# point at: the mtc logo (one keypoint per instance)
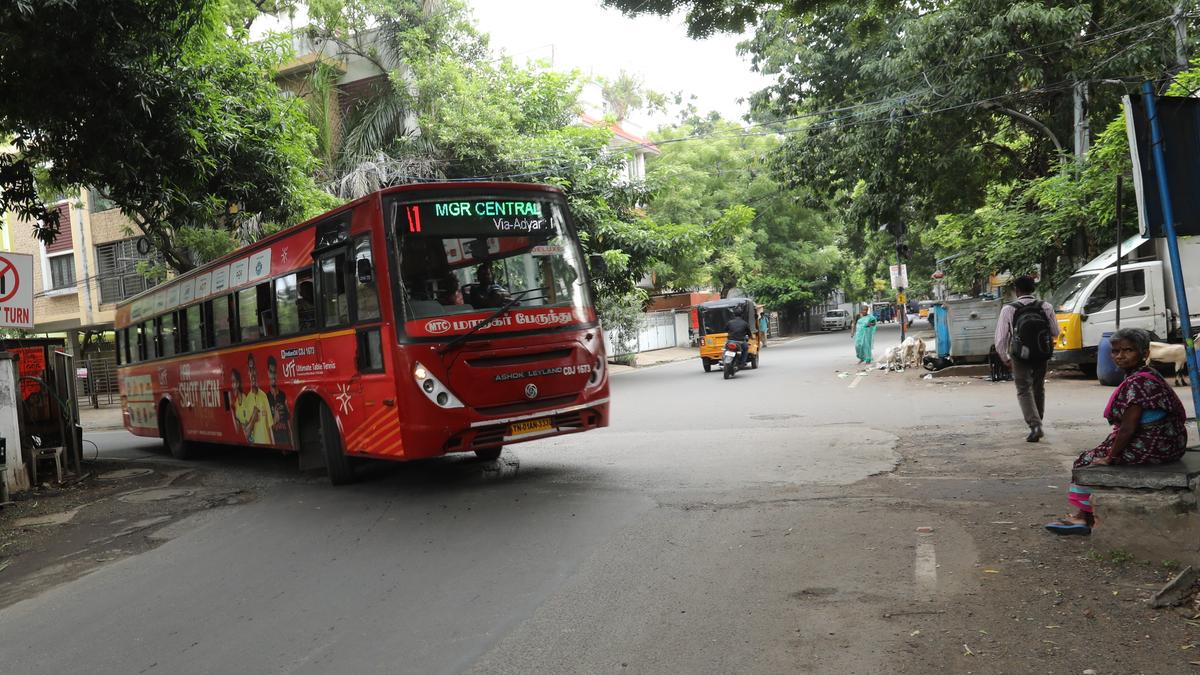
(437, 326)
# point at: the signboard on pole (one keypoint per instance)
(1179, 123)
(16, 290)
(899, 276)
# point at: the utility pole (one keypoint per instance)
(1083, 133)
(898, 230)
(1181, 58)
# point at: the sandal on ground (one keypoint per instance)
(1060, 527)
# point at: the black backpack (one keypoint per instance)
(1031, 339)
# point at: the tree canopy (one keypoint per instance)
(953, 118)
(160, 108)
(746, 230)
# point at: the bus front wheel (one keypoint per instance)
(319, 436)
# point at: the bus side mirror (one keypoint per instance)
(597, 264)
(364, 271)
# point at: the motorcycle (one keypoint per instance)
(730, 363)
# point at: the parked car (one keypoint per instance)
(836, 319)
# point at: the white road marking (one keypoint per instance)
(857, 378)
(925, 569)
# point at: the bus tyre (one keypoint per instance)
(319, 433)
(489, 454)
(173, 439)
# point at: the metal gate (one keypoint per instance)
(656, 330)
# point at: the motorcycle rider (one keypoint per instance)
(738, 330)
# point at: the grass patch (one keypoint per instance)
(1116, 557)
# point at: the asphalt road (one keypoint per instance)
(716, 526)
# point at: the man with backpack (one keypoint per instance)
(1025, 336)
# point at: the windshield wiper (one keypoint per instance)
(516, 297)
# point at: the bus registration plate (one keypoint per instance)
(530, 426)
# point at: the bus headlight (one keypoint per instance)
(433, 389)
(597, 371)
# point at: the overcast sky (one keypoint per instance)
(582, 34)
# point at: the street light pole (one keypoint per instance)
(900, 298)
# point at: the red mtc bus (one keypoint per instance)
(414, 322)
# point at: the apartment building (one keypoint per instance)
(80, 278)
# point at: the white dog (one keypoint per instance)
(1161, 352)
(912, 352)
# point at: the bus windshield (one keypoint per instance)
(461, 258)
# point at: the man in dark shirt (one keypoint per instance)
(738, 330)
(486, 292)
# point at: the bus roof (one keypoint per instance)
(378, 194)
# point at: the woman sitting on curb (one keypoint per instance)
(1149, 425)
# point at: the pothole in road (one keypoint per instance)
(813, 593)
(773, 417)
(124, 474)
(155, 495)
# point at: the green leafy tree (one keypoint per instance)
(448, 110)
(749, 231)
(627, 93)
(925, 113)
(160, 108)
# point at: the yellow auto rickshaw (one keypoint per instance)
(712, 317)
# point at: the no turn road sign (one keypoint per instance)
(16, 290)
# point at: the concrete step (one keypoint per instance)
(1182, 474)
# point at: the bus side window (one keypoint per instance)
(221, 321)
(287, 304)
(181, 332)
(156, 338)
(366, 293)
(166, 343)
(306, 305)
(195, 338)
(335, 305)
(248, 315)
(119, 337)
(142, 336)
(266, 310)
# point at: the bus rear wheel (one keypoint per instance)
(489, 454)
(173, 440)
(319, 436)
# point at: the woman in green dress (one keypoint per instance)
(864, 335)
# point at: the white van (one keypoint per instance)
(1086, 303)
(836, 319)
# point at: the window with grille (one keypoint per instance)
(118, 275)
(62, 271)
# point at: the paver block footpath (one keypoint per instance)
(1152, 512)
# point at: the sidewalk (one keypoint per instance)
(104, 418)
